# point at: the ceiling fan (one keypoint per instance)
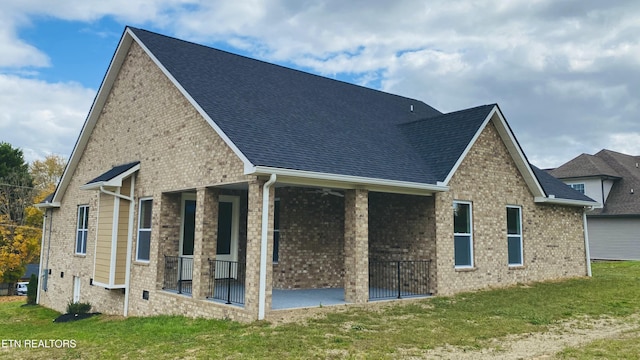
(327, 191)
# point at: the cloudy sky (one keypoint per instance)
(566, 74)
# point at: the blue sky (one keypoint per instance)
(566, 74)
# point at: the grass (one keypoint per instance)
(469, 320)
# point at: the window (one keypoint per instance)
(578, 187)
(82, 229)
(276, 230)
(514, 235)
(462, 234)
(144, 229)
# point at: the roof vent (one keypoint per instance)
(411, 108)
(632, 191)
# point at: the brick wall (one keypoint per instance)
(311, 240)
(146, 119)
(402, 227)
(553, 239)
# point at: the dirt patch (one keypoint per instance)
(572, 333)
(4, 299)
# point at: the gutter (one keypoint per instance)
(554, 200)
(587, 252)
(262, 296)
(344, 181)
(44, 232)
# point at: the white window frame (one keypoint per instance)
(469, 234)
(82, 230)
(143, 229)
(518, 236)
(579, 187)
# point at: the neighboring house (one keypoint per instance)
(31, 269)
(209, 184)
(612, 179)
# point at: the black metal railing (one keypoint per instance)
(226, 281)
(178, 274)
(398, 279)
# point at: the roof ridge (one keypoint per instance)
(284, 67)
(446, 114)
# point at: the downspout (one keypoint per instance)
(586, 242)
(49, 245)
(40, 268)
(105, 191)
(262, 296)
(127, 275)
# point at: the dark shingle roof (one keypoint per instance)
(448, 135)
(115, 171)
(284, 118)
(607, 164)
(557, 188)
(302, 121)
(621, 199)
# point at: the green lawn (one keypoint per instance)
(467, 320)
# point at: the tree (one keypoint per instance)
(32, 290)
(48, 172)
(20, 223)
(11, 161)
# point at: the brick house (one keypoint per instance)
(209, 184)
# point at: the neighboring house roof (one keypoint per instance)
(32, 269)
(584, 165)
(624, 197)
(287, 122)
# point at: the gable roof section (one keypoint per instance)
(555, 189)
(288, 119)
(584, 165)
(113, 177)
(446, 143)
(285, 121)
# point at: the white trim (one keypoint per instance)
(140, 200)
(47, 205)
(85, 229)
(108, 286)
(40, 269)
(470, 234)
(235, 226)
(192, 101)
(512, 145)
(587, 252)
(303, 177)
(91, 119)
(114, 239)
(553, 200)
(76, 289)
(116, 181)
(520, 236)
(264, 240)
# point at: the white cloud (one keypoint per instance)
(42, 118)
(563, 72)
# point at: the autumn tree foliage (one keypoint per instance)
(21, 186)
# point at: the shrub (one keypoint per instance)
(32, 290)
(78, 308)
